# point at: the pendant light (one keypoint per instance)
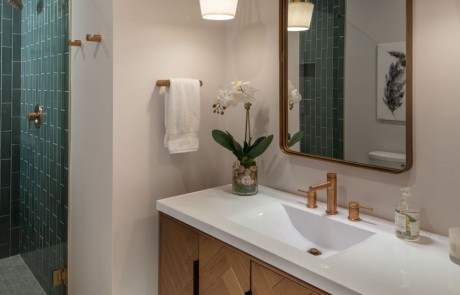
(218, 9)
(300, 13)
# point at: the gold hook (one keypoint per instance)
(93, 38)
(75, 43)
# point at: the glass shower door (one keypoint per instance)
(35, 36)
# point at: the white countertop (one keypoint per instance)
(380, 265)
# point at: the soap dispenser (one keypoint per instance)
(407, 223)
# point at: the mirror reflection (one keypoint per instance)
(348, 82)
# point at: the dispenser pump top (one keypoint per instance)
(406, 193)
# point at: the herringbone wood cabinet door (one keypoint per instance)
(178, 251)
(223, 271)
(267, 282)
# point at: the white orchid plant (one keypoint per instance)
(230, 96)
(294, 97)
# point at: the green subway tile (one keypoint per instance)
(6, 116)
(324, 48)
(5, 173)
(7, 65)
(15, 162)
(5, 201)
(7, 33)
(7, 11)
(5, 151)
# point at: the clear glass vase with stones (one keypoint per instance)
(244, 181)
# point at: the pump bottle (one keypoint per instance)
(407, 223)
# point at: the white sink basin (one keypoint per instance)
(302, 229)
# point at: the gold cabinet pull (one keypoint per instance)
(94, 38)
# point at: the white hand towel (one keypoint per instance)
(182, 115)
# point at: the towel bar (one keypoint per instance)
(168, 82)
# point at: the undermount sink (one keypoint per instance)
(301, 229)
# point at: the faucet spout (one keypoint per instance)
(331, 186)
(332, 194)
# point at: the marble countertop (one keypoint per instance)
(380, 265)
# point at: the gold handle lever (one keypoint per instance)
(311, 198)
(353, 210)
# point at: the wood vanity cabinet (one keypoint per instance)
(223, 271)
(178, 257)
(269, 282)
(193, 263)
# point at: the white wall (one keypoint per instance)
(369, 23)
(252, 43)
(153, 40)
(91, 151)
(157, 40)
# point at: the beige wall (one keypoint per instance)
(113, 215)
(157, 40)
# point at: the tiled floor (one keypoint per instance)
(17, 279)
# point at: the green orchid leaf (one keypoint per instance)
(295, 138)
(258, 140)
(246, 147)
(223, 139)
(259, 148)
(237, 147)
(247, 162)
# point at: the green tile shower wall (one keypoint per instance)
(44, 152)
(321, 107)
(10, 78)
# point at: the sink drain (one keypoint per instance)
(314, 252)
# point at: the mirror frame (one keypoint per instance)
(283, 56)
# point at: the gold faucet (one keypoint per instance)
(331, 186)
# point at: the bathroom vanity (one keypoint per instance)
(214, 242)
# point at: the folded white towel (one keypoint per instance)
(182, 115)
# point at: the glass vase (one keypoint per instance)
(244, 180)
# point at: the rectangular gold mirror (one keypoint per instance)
(346, 81)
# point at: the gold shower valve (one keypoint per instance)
(36, 116)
